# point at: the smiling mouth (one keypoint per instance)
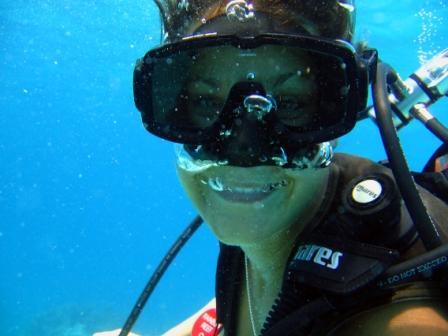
(247, 193)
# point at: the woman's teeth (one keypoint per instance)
(244, 194)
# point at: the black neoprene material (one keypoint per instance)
(360, 264)
(230, 269)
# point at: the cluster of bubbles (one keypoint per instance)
(183, 4)
(432, 20)
(315, 157)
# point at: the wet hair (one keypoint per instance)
(331, 18)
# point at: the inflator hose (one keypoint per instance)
(158, 273)
(411, 269)
(425, 226)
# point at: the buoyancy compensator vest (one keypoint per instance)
(357, 253)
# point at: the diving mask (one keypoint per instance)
(194, 91)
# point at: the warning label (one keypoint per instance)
(206, 324)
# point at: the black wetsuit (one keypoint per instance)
(359, 295)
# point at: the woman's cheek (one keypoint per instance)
(189, 182)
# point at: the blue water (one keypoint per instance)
(89, 202)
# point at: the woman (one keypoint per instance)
(256, 117)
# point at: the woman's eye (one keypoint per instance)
(290, 106)
(293, 111)
(204, 109)
(204, 104)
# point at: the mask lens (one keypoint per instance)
(186, 97)
(190, 86)
(316, 97)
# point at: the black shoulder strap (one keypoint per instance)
(228, 285)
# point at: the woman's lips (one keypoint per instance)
(244, 192)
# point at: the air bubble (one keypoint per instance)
(250, 76)
(431, 25)
(183, 4)
(280, 158)
(225, 133)
(187, 163)
(239, 10)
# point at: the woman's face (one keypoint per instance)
(247, 204)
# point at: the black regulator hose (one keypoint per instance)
(417, 210)
(158, 273)
(420, 112)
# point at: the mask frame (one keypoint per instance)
(357, 69)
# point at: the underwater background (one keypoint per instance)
(89, 201)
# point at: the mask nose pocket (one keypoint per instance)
(258, 106)
(246, 132)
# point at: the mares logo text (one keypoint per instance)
(320, 255)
